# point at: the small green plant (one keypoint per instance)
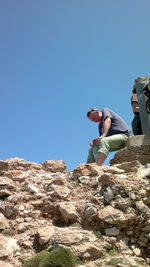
(85, 239)
(68, 245)
(46, 177)
(9, 232)
(115, 261)
(75, 183)
(98, 264)
(140, 261)
(36, 260)
(97, 233)
(59, 257)
(23, 189)
(112, 251)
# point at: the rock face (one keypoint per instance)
(142, 154)
(102, 214)
(137, 148)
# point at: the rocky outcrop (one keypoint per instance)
(137, 147)
(142, 154)
(102, 214)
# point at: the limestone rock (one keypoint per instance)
(112, 216)
(146, 228)
(123, 246)
(136, 250)
(10, 211)
(92, 210)
(7, 246)
(32, 188)
(45, 234)
(23, 227)
(72, 236)
(108, 195)
(58, 179)
(56, 191)
(129, 166)
(3, 165)
(68, 212)
(139, 153)
(6, 264)
(113, 231)
(54, 165)
(87, 170)
(15, 198)
(88, 251)
(3, 222)
(6, 183)
(142, 207)
(21, 164)
(17, 175)
(112, 169)
(131, 261)
(122, 203)
(84, 179)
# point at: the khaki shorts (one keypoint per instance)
(106, 145)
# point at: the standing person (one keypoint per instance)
(113, 134)
(136, 123)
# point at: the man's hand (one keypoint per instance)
(92, 143)
(96, 141)
(106, 127)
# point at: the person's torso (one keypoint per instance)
(118, 125)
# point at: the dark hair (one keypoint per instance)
(90, 111)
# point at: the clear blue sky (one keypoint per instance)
(58, 58)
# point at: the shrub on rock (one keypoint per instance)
(59, 257)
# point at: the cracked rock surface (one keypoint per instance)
(102, 214)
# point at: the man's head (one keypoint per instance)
(94, 115)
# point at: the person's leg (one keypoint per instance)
(109, 144)
(136, 124)
(101, 158)
(92, 156)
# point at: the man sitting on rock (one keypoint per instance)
(113, 134)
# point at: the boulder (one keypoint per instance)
(54, 165)
(7, 246)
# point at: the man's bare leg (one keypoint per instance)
(101, 158)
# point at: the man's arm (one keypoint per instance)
(106, 127)
(105, 130)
